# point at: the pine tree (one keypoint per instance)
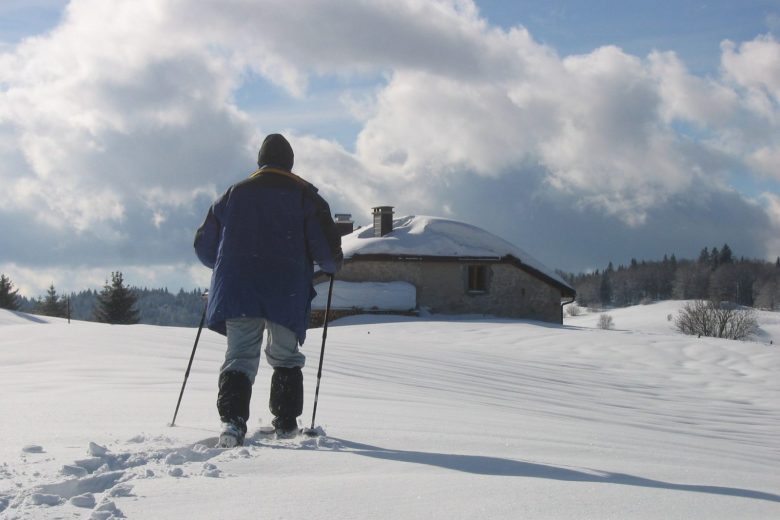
(605, 287)
(726, 256)
(8, 295)
(116, 303)
(52, 304)
(714, 258)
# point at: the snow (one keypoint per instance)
(419, 235)
(658, 318)
(385, 296)
(435, 417)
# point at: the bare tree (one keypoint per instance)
(717, 320)
(767, 295)
(606, 322)
(588, 290)
(691, 281)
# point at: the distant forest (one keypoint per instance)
(716, 275)
(155, 306)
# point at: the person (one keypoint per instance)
(261, 238)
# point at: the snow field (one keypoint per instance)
(425, 418)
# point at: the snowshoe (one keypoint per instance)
(285, 427)
(232, 435)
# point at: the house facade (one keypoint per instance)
(455, 268)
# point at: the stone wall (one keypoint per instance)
(442, 287)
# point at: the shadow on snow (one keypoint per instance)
(514, 468)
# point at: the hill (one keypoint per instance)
(425, 418)
(658, 318)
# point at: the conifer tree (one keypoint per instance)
(116, 303)
(605, 287)
(714, 258)
(52, 304)
(8, 294)
(726, 256)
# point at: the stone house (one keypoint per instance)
(441, 266)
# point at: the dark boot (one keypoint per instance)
(286, 401)
(235, 392)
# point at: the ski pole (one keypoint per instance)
(192, 356)
(312, 431)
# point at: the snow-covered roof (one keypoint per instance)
(424, 236)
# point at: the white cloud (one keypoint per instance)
(33, 282)
(767, 160)
(755, 66)
(103, 111)
(593, 121)
(702, 101)
(772, 201)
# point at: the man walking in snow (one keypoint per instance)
(260, 239)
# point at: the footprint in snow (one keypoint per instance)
(44, 499)
(74, 471)
(121, 490)
(175, 459)
(210, 470)
(87, 501)
(97, 450)
(106, 510)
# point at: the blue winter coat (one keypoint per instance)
(261, 239)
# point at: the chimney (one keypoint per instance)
(383, 220)
(344, 223)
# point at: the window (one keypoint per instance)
(477, 279)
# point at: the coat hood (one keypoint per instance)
(276, 151)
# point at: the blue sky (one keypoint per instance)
(594, 131)
(692, 28)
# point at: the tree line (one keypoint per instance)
(717, 275)
(116, 303)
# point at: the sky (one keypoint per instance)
(583, 132)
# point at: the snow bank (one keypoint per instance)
(390, 296)
(658, 318)
(20, 318)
